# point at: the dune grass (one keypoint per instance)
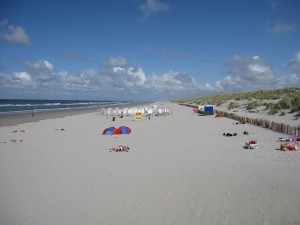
(275, 101)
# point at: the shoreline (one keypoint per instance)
(22, 118)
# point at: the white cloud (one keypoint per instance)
(118, 69)
(257, 68)
(13, 35)
(41, 65)
(42, 69)
(252, 73)
(138, 75)
(19, 81)
(48, 65)
(152, 6)
(242, 74)
(23, 76)
(116, 62)
(249, 69)
(294, 63)
(119, 81)
(173, 82)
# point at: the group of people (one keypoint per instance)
(289, 143)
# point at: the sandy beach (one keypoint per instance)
(180, 169)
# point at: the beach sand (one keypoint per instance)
(180, 169)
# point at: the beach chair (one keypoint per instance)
(251, 145)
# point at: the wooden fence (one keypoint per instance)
(278, 127)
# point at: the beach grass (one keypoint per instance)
(273, 100)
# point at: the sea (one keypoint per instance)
(15, 106)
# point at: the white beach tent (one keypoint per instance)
(130, 111)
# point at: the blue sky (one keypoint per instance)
(146, 49)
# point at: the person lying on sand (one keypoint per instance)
(120, 148)
(285, 139)
(15, 140)
(229, 134)
(289, 139)
(240, 122)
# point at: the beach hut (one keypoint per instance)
(201, 108)
(131, 111)
(209, 109)
(206, 109)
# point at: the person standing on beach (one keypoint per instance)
(32, 113)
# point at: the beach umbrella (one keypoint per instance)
(110, 131)
(124, 130)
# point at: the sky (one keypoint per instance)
(146, 50)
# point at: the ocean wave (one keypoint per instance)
(25, 106)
